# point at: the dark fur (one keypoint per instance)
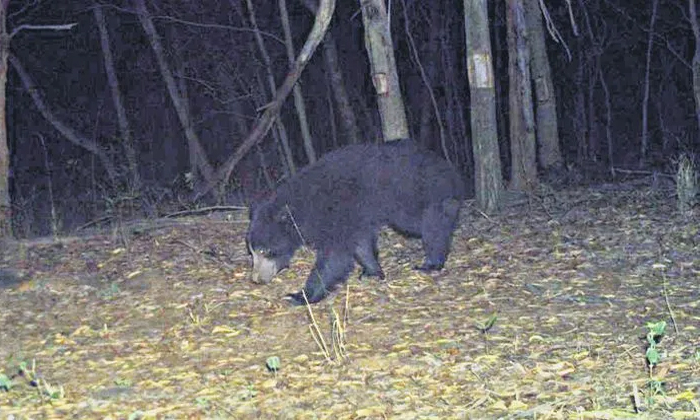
(338, 205)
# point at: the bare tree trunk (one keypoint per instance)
(198, 159)
(593, 145)
(696, 59)
(298, 97)
(431, 53)
(383, 68)
(645, 100)
(584, 121)
(124, 128)
(281, 129)
(522, 131)
(608, 122)
(487, 161)
(546, 110)
(5, 201)
(67, 132)
(580, 114)
(347, 114)
(498, 45)
(331, 121)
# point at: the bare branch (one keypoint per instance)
(62, 127)
(552, 29)
(323, 18)
(218, 26)
(64, 27)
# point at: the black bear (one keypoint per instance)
(338, 205)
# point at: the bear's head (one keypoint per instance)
(272, 240)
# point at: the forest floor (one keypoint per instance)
(541, 312)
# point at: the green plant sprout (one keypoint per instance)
(656, 330)
(487, 325)
(273, 364)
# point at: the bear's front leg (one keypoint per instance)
(332, 268)
(366, 255)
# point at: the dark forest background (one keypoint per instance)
(211, 48)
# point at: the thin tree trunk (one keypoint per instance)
(331, 111)
(487, 161)
(546, 110)
(330, 56)
(198, 158)
(296, 92)
(431, 53)
(59, 125)
(579, 119)
(5, 201)
(348, 120)
(383, 69)
(645, 100)
(281, 129)
(499, 44)
(522, 131)
(608, 122)
(696, 59)
(124, 128)
(593, 145)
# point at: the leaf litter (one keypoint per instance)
(541, 312)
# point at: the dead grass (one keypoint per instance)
(172, 328)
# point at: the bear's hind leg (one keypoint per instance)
(331, 268)
(439, 221)
(366, 254)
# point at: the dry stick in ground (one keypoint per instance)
(204, 210)
(323, 18)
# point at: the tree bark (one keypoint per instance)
(608, 122)
(580, 117)
(198, 159)
(488, 183)
(546, 109)
(323, 19)
(124, 128)
(296, 92)
(383, 69)
(431, 54)
(522, 130)
(696, 59)
(340, 93)
(645, 99)
(5, 201)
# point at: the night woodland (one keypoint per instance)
(349, 209)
